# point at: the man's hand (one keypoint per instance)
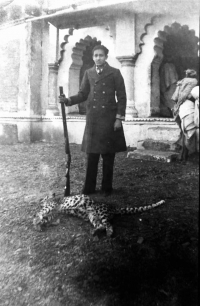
(117, 125)
(63, 99)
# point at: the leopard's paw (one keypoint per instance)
(109, 232)
(38, 227)
(98, 230)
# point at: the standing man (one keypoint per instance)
(103, 134)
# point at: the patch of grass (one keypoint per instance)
(65, 265)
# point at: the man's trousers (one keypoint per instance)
(92, 169)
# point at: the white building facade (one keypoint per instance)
(48, 45)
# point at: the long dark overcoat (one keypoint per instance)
(100, 92)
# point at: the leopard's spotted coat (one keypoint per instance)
(99, 214)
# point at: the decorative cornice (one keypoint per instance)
(151, 120)
(83, 118)
(13, 23)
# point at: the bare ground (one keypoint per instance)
(151, 260)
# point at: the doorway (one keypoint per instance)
(88, 63)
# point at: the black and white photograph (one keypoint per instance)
(99, 152)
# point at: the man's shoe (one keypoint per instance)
(107, 193)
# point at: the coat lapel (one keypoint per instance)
(106, 71)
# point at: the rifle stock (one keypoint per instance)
(67, 148)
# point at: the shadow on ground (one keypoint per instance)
(151, 260)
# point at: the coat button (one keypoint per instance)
(104, 84)
(103, 106)
(94, 99)
(94, 106)
(104, 92)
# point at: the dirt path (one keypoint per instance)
(151, 260)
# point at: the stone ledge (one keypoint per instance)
(81, 117)
(155, 145)
(153, 155)
(152, 120)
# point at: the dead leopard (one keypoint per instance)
(99, 214)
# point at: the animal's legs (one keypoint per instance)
(96, 222)
(108, 227)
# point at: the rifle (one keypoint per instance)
(67, 149)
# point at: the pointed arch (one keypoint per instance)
(78, 50)
(78, 66)
(178, 46)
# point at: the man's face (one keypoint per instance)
(99, 57)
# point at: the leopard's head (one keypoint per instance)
(50, 200)
(39, 220)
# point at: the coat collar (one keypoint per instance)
(106, 71)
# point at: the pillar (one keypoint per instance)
(155, 87)
(125, 52)
(127, 70)
(52, 109)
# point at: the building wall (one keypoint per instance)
(9, 68)
(28, 48)
(21, 79)
(21, 68)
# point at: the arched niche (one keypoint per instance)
(150, 59)
(82, 60)
(72, 64)
(176, 49)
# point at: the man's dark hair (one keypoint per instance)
(100, 47)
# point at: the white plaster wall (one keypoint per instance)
(24, 73)
(142, 75)
(125, 34)
(46, 49)
(18, 70)
(52, 44)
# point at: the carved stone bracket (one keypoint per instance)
(141, 33)
(62, 46)
(126, 60)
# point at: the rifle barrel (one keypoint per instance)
(67, 148)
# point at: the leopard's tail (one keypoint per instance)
(135, 210)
